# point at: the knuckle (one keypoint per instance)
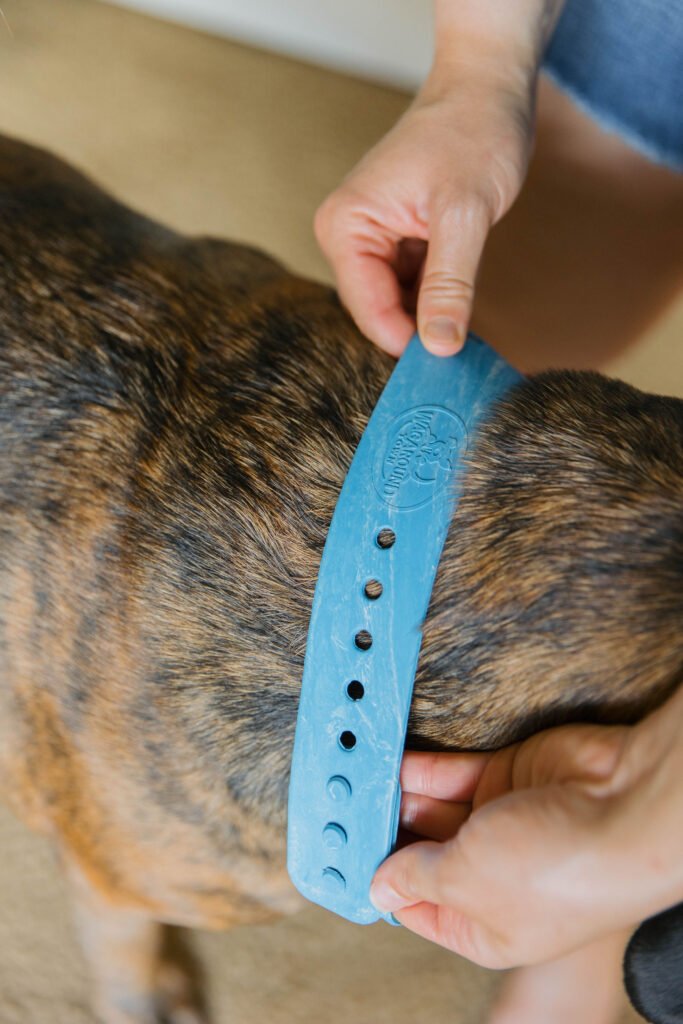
(589, 753)
(409, 809)
(415, 863)
(457, 933)
(332, 213)
(468, 207)
(341, 220)
(599, 751)
(428, 767)
(442, 286)
(323, 219)
(476, 207)
(403, 881)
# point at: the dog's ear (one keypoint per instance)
(560, 595)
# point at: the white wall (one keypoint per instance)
(387, 40)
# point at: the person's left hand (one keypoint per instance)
(543, 846)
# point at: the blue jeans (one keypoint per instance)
(622, 62)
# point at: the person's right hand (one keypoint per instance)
(542, 847)
(405, 231)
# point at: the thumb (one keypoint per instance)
(417, 883)
(409, 876)
(456, 240)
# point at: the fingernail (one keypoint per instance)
(442, 333)
(384, 898)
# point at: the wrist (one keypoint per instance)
(648, 811)
(501, 40)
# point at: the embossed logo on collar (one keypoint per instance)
(423, 449)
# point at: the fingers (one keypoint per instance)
(411, 875)
(586, 753)
(457, 932)
(457, 233)
(364, 253)
(421, 885)
(531, 852)
(432, 819)
(438, 924)
(379, 266)
(442, 776)
(449, 168)
(369, 289)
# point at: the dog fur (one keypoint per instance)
(177, 416)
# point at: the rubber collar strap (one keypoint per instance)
(371, 597)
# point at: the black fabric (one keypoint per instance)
(653, 968)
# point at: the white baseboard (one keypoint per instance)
(386, 40)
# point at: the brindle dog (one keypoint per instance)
(176, 419)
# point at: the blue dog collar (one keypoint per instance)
(373, 589)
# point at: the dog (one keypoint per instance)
(177, 416)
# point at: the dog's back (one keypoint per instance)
(168, 467)
(176, 420)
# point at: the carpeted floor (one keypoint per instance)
(214, 137)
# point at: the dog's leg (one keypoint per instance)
(133, 982)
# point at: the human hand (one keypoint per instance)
(405, 231)
(543, 846)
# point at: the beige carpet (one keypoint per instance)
(213, 137)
